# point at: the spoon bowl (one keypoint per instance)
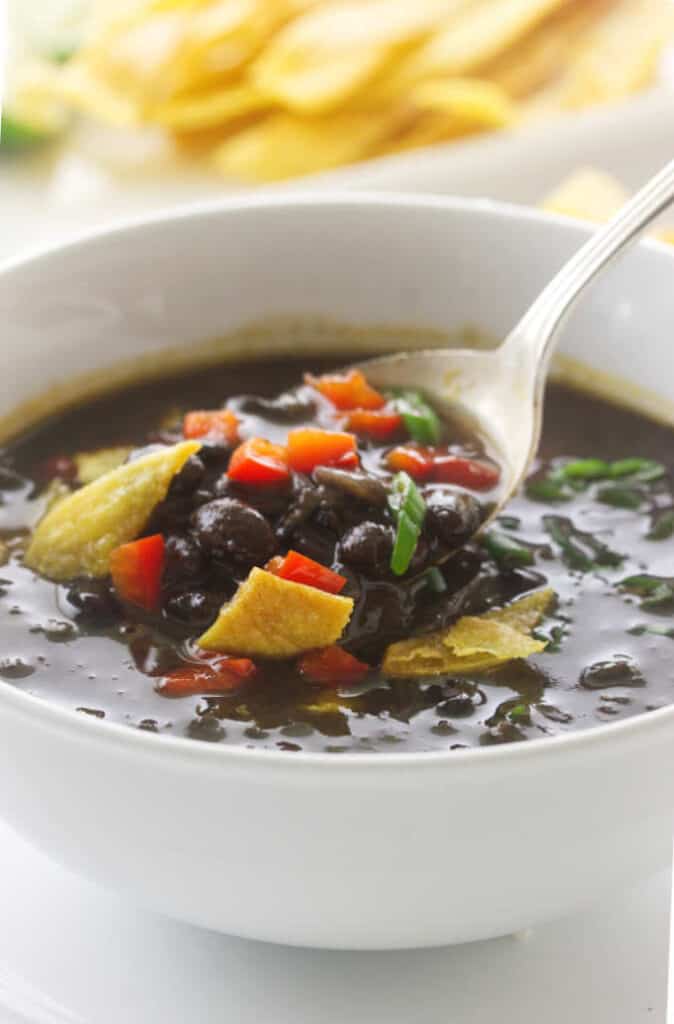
(499, 393)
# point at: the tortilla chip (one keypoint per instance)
(77, 535)
(474, 642)
(270, 617)
(91, 465)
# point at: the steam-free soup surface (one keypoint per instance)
(599, 537)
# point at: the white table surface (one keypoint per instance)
(71, 953)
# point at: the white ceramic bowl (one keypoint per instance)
(366, 851)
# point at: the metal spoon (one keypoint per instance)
(500, 391)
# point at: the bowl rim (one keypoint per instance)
(87, 729)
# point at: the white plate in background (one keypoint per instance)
(46, 197)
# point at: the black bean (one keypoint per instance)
(189, 477)
(615, 672)
(451, 516)
(241, 532)
(315, 542)
(95, 603)
(148, 725)
(184, 559)
(289, 407)
(306, 498)
(368, 547)
(196, 607)
(94, 712)
(270, 501)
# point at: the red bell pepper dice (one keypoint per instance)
(417, 462)
(136, 571)
(377, 423)
(469, 473)
(260, 463)
(332, 666)
(299, 569)
(309, 447)
(221, 675)
(218, 424)
(347, 390)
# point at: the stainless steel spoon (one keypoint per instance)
(500, 391)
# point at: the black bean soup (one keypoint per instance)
(355, 497)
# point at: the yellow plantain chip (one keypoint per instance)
(479, 32)
(323, 58)
(474, 642)
(283, 145)
(91, 465)
(470, 102)
(210, 108)
(270, 617)
(77, 535)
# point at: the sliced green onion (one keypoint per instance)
(586, 469)
(620, 497)
(662, 526)
(420, 419)
(520, 713)
(409, 509)
(506, 551)
(643, 470)
(548, 489)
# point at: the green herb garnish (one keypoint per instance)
(409, 509)
(642, 470)
(420, 419)
(506, 551)
(585, 469)
(580, 550)
(654, 591)
(620, 497)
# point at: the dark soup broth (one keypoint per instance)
(235, 557)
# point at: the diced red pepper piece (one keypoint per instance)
(299, 569)
(377, 423)
(469, 473)
(219, 676)
(347, 390)
(136, 570)
(218, 424)
(309, 447)
(260, 463)
(332, 666)
(415, 461)
(349, 460)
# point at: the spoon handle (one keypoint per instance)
(538, 329)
